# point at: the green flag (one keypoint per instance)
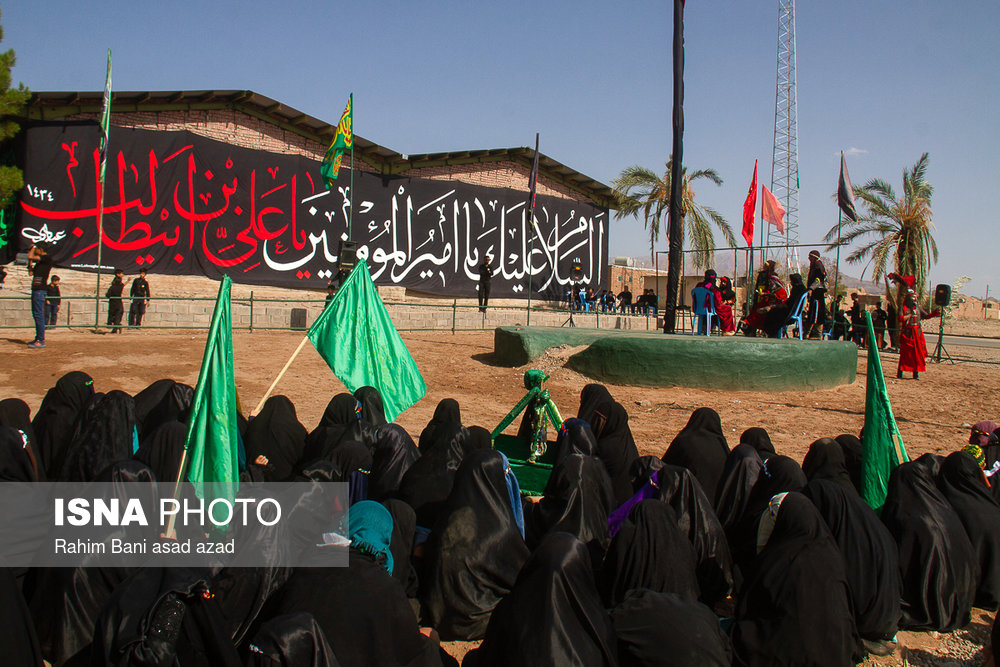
(212, 436)
(343, 140)
(879, 457)
(106, 118)
(356, 337)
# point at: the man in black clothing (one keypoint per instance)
(140, 299)
(485, 273)
(817, 272)
(52, 302)
(857, 322)
(625, 300)
(114, 296)
(39, 266)
(879, 319)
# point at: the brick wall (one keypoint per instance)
(240, 129)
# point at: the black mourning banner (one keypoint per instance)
(178, 203)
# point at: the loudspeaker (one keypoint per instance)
(347, 258)
(575, 271)
(942, 295)
(298, 319)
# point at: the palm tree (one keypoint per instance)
(639, 190)
(894, 229)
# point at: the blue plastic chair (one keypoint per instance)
(795, 317)
(703, 307)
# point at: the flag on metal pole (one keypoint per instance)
(772, 211)
(533, 177)
(106, 118)
(750, 208)
(211, 444)
(343, 139)
(356, 337)
(879, 456)
(845, 191)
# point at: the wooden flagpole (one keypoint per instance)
(274, 384)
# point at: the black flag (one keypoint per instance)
(533, 178)
(845, 192)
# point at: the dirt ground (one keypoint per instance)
(934, 413)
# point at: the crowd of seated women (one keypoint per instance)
(707, 555)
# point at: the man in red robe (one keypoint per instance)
(912, 346)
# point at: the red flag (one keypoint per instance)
(772, 211)
(750, 208)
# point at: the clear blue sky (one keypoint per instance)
(884, 81)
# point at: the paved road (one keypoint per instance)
(959, 341)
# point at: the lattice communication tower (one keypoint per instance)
(785, 156)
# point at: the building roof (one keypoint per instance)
(51, 105)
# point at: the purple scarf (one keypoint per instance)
(651, 490)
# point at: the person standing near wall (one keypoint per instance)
(485, 274)
(140, 299)
(880, 319)
(52, 301)
(39, 266)
(114, 296)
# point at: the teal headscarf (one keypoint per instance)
(370, 530)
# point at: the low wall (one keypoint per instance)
(709, 362)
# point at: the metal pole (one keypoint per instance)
(100, 243)
(836, 280)
(676, 186)
(531, 229)
(350, 208)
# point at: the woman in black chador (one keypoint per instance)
(962, 482)
(427, 483)
(446, 412)
(340, 421)
(274, 441)
(650, 551)
(475, 552)
(615, 446)
(53, 423)
(666, 629)
(701, 447)
(678, 488)
(758, 438)
(577, 500)
(936, 559)
(871, 557)
(778, 475)
(360, 608)
(794, 607)
(743, 467)
(553, 615)
(825, 460)
(105, 433)
(394, 454)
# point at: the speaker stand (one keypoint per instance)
(940, 348)
(572, 304)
